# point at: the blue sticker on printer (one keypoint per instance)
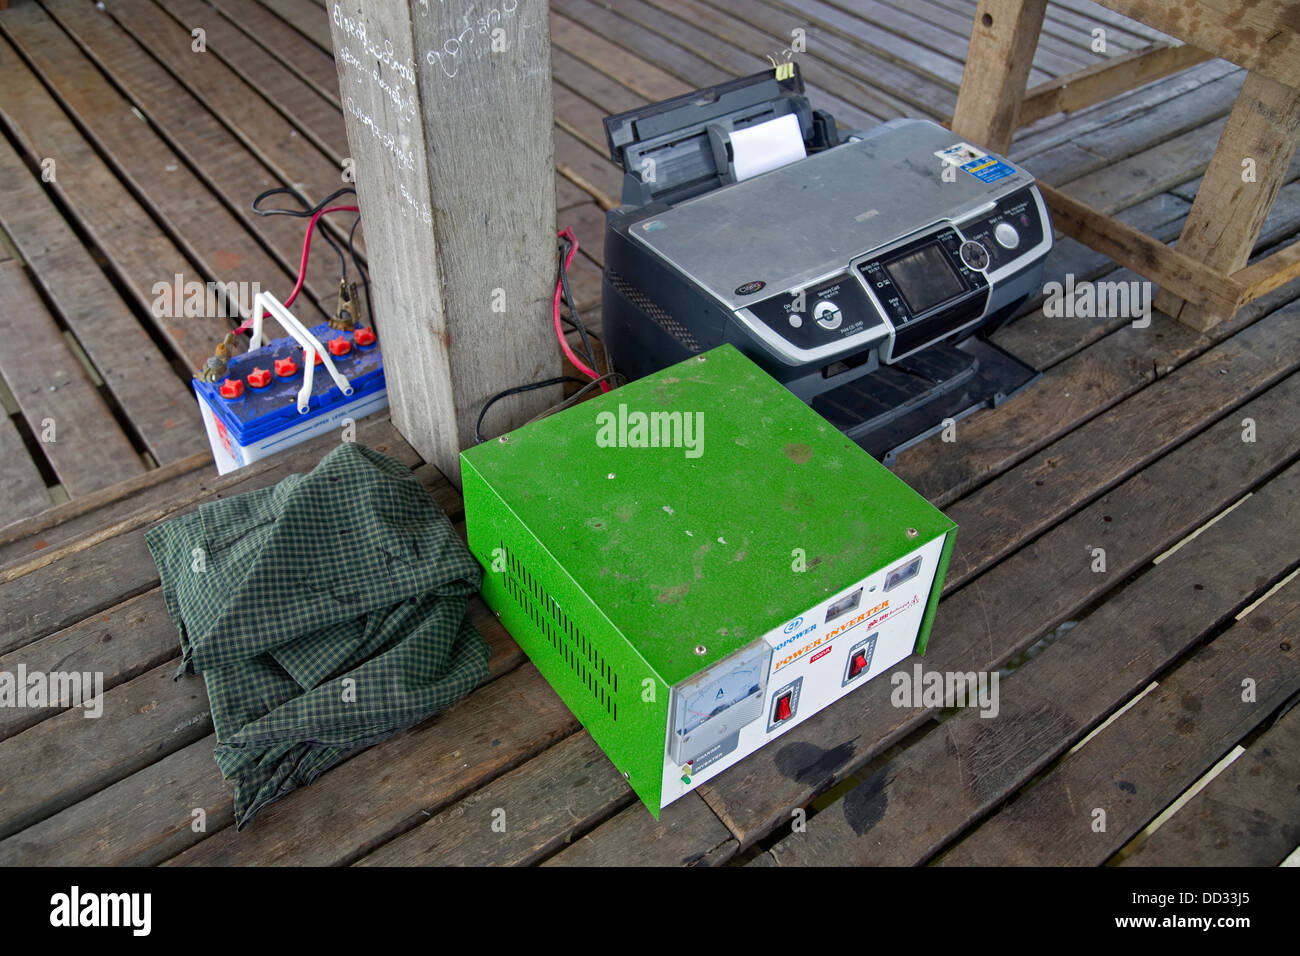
(988, 170)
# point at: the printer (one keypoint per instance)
(864, 270)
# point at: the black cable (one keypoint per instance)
(573, 308)
(478, 434)
(306, 212)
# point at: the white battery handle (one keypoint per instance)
(311, 346)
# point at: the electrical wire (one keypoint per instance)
(307, 210)
(575, 319)
(306, 253)
(576, 396)
(566, 260)
(532, 386)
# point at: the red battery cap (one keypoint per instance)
(286, 367)
(364, 336)
(231, 388)
(339, 346)
(259, 378)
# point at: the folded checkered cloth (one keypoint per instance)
(325, 613)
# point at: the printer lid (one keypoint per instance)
(800, 223)
(680, 147)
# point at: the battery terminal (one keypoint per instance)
(346, 312)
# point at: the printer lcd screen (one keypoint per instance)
(925, 278)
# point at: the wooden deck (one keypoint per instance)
(126, 159)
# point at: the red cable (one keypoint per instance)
(302, 266)
(567, 233)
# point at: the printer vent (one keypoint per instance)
(647, 305)
(562, 632)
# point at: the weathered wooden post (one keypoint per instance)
(448, 112)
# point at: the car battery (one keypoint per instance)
(267, 402)
(698, 562)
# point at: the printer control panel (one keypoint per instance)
(822, 314)
(1012, 229)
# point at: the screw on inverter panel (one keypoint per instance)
(701, 649)
(504, 439)
(912, 532)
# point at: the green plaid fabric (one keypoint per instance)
(325, 613)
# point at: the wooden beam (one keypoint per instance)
(449, 121)
(1247, 170)
(1169, 268)
(1260, 35)
(1269, 273)
(1105, 79)
(1002, 43)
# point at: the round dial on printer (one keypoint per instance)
(974, 255)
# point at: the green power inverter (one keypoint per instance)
(697, 562)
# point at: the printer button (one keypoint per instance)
(1006, 235)
(828, 315)
(796, 320)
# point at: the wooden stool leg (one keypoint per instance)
(1002, 43)
(1257, 144)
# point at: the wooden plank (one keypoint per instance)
(610, 26)
(1045, 342)
(728, 49)
(580, 789)
(1249, 815)
(137, 250)
(1100, 82)
(1149, 101)
(590, 171)
(1269, 273)
(235, 68)
(853, 71)
(884, 23)
(24, 488)
(433, 275)
(638, 74)
(305, 17)
(79, 435)
(298, 152)
(161, 806)
(131, 366)
(686, 834)
(1051, 577)
(386, 790)
(1071, 393)
(74, 526)
(204, 228)
(1002, 43)
(142, 720)
(1172, 269)
(312, 64)
(1263, 132)
(219, 161)
(100, 570)
(121, 643)
(1261, 37)
(910, 808)
(1140, 762)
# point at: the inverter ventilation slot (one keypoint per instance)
(651, 308)
(567, 639)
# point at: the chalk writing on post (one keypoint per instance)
(471, 39)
